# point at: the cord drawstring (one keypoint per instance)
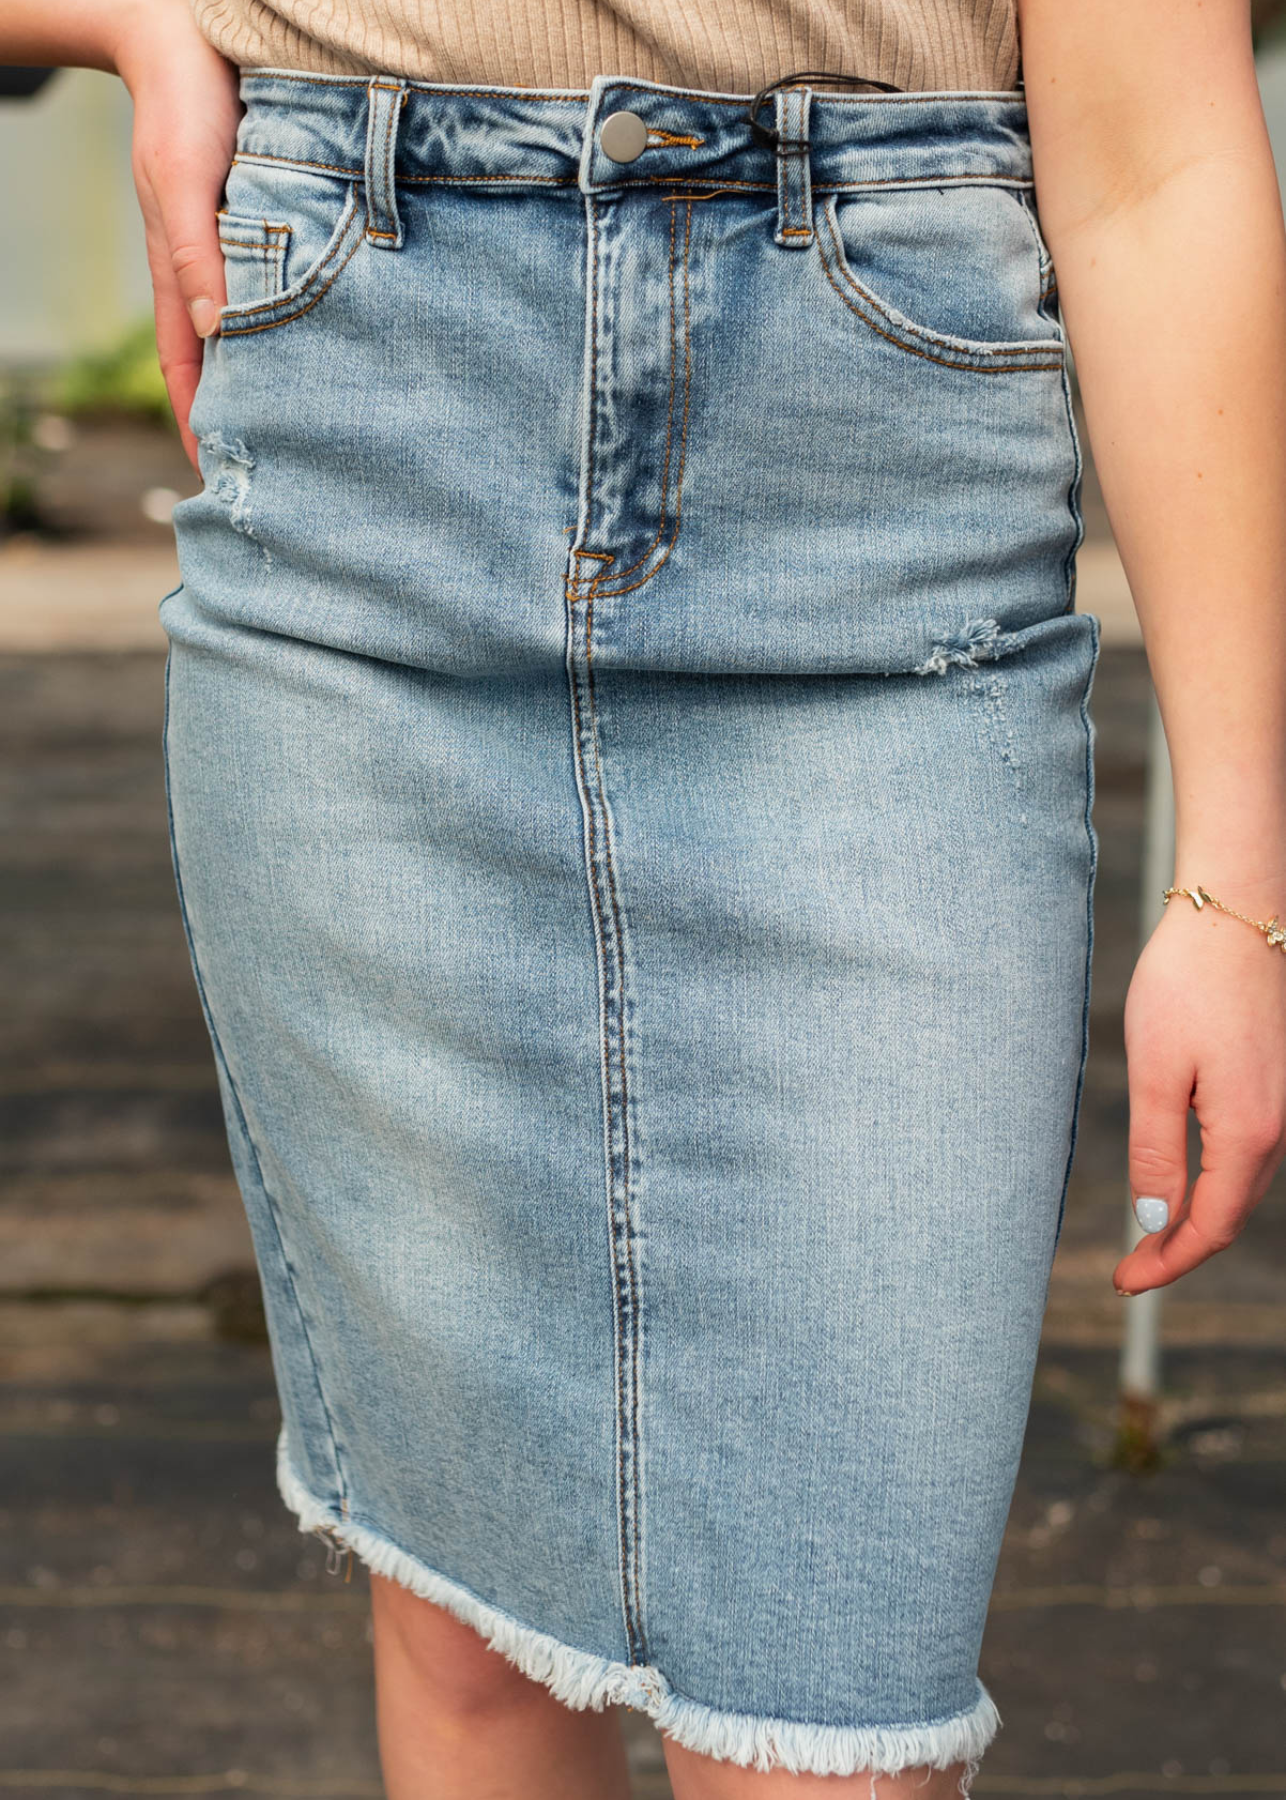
(766, 135)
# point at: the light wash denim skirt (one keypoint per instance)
(630, 781)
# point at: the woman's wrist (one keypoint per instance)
(1260, 897)
(146, 34)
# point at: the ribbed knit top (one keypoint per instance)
(724, 46)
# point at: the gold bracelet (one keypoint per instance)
(1273, 931)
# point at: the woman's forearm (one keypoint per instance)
(86, 34)
(60, 33)
(1159, 199)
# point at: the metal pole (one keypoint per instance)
(1140, 1367)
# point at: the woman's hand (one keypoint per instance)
(1205, 1026)
(186, 111)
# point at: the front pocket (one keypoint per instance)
(953, 275)
(254, 257)
(286, 235)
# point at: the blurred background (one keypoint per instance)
(164, 1627)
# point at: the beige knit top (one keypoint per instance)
(726, 46)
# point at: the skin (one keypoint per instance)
(1159, 201)
(1160, 205)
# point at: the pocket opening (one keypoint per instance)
(909, 252)
(280, 262)
(255, 255)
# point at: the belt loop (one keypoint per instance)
(386, 96)
(794, 168)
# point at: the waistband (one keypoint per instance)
(694, 139)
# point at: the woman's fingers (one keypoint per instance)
(1205, 1030)
(180, 195)
(185, 121)
(194, 266)
(1223, 1198)
(1160, 1094)
(180, 352)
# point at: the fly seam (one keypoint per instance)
(669, 417)
(596, 585)
(593, 363)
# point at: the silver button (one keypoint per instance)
(623, 136)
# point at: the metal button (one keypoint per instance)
(623, 136)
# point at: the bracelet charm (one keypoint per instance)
(1274, 932)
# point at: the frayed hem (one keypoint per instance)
(583, 1681)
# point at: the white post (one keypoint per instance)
(1140, 1369)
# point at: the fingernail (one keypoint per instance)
(1126, 1293)
(204, 315)
(1151, 1212)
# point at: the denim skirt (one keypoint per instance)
(630, 784)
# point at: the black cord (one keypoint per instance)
(766, 135)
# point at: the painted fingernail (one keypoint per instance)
(204, 315)
(1151, 1212)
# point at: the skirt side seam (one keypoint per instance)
(230, 1084)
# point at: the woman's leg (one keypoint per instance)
(458, 1721)
(701, 1778)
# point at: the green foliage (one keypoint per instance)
(18, 510)
(125, 378)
